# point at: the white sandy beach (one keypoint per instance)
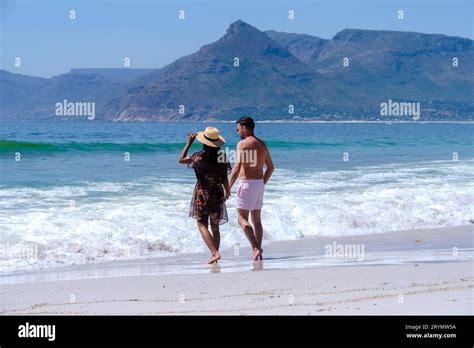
(409, 272)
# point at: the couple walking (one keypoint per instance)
(213, 184)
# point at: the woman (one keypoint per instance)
(212, 186)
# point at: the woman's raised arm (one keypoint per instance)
(183, 158)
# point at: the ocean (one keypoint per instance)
(92, 192)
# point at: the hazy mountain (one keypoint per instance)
(390, 63)
(27, 98)
(115, 74)
(248, 71)
(17, 89)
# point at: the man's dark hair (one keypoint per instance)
(247, 122)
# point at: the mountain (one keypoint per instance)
(32, 98)
(306, 48)
(266, 81)
(17, 89)
(262, 74)
(114, 74)
(392, 64)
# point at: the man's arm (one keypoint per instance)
(270, 167)
(236, 170)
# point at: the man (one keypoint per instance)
(252, 155)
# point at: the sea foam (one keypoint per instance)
(95, 222)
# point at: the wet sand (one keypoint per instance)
(408, 272)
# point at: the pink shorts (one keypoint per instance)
(250, 194)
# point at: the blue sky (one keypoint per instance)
(150, 33)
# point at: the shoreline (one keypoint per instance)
(406, 272)
(415, 245)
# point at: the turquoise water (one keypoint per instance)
(75, 196)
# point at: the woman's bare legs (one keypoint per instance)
(209, 240)
(216, 235)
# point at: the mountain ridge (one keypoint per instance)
(265, 74)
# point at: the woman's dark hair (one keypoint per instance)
(211, 153)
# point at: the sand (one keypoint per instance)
(408, 272)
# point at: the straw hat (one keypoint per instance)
(210, 137)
